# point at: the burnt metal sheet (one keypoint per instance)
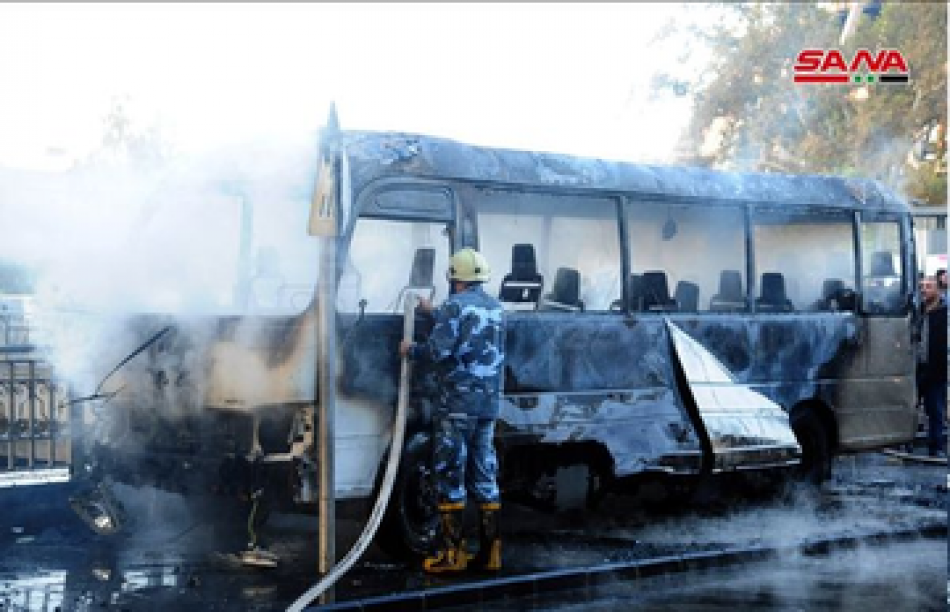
(644, 430)
(567, 352)
(601, 378)
(569, 377)
(743, 426)
(789, 358)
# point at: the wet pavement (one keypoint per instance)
(174, 555)
(905, 577)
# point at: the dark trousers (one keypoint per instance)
(464, 459)
(935, 405)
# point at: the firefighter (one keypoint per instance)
(466, 351)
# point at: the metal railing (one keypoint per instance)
(35, 415)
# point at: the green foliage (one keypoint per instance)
(925, 184)
(773, 124)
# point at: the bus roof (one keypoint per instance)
(375, 155)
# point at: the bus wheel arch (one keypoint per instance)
(816, 430)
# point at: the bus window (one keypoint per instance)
(805, 261)
(882, 264)
(575, 240)
(687, 257)
(379, 263)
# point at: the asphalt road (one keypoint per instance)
(175, 556)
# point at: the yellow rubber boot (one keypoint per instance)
(489, 550)
(451, 556)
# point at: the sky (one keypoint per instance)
(248, 86)
(570, 78)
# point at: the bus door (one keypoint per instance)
(385, 258)
(886, 304)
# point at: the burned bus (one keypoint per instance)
(663, 322)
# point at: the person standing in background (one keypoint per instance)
(932, 363)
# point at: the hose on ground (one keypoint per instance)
(395, 453)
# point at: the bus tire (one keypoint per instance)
(409, 526)
(815, 441)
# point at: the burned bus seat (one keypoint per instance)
(423, 266)
(656, 292)
(420, 275)
(773, 297)
(566, 293)
(882, 264)
(635, 292)
(731, 297)
(831, 288)
(835, 295)
(687, 296)
(634, 295)
(523, 285)
(883, 293)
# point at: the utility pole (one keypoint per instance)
(327, 421)
(323, 223)
(851, 22)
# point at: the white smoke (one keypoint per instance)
(223, 233)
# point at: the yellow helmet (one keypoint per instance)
(468, 266)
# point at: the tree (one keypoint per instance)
(752, 116)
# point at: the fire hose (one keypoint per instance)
(395, 454)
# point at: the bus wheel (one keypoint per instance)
(409, 527)
(815, 467)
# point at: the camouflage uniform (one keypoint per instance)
(466, 350)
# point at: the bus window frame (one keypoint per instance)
(374, 188)
(631, 201)
(471, 215)
(852, 215)
(908, 267)
(367, 207)
(451, 230)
